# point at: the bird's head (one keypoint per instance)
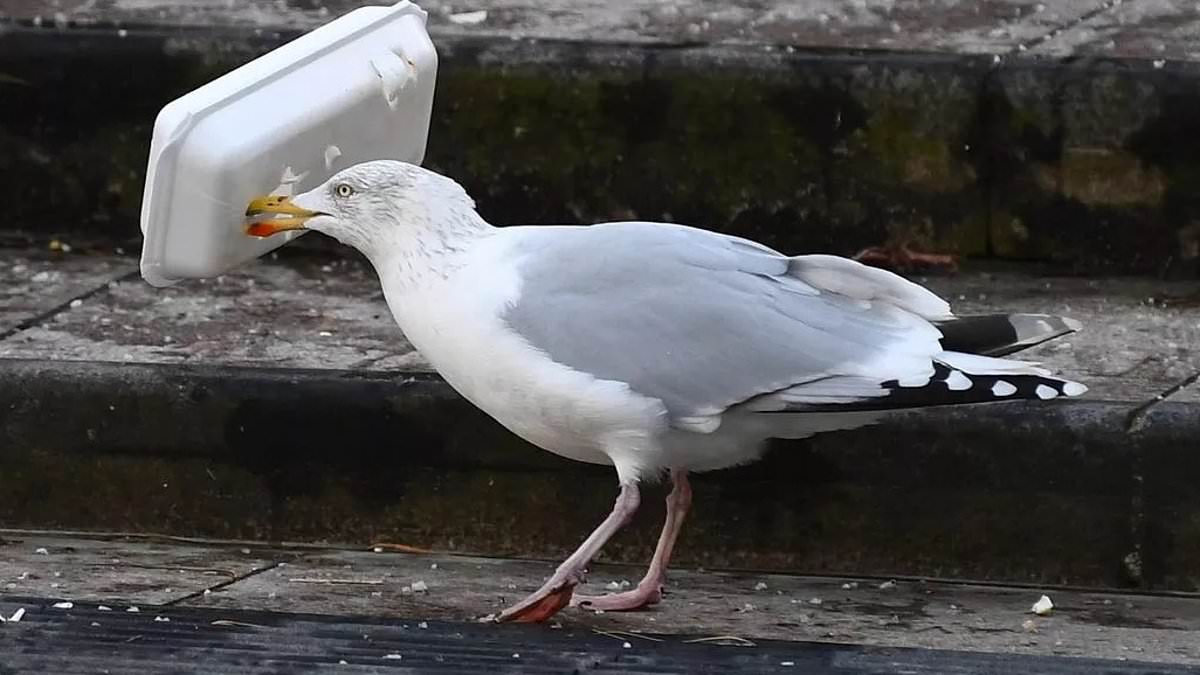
(369, 206)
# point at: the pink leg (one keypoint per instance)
(556, 592)
(649, 589)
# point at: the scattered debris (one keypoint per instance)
(63, 605)
(1029, 626)
(850, 585)
(1043, 606)
(617, 585)
(787, 664)
(732, 640)
(469, 18)
(887, 585)
(230, 622)
(760, 586)
(423, 625)
(815, 601)
(433, 566)
(103, 608)
(42, 551)
(162, 619)
(419, 587)
(17, 615)
(316, 580)
(133, 609)
(620, 634)
(626, 645)
(380, 547)
(393, 656)
(95, 624)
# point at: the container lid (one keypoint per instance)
(357, 89)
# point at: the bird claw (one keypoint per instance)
(543, 604)
(638, 598)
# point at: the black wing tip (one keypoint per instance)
(951, 386)
(1003, 334)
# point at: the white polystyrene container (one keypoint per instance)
(357, 89)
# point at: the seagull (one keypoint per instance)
(655, 348)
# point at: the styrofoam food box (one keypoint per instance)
(356, 89)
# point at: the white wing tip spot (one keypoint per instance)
(1045, 392)
(1002, 388)
(956, 381)
(913, 381)
(1074, 389)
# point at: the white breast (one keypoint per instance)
(455, 322)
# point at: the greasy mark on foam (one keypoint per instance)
(332, 152)
(396, 73)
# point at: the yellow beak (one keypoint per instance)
(276, 206)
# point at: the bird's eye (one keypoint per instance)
(343, 190)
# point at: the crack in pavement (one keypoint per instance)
(1137, 416)
(1055, 32)
(229, 582)
(26, 324)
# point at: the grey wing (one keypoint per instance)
(704, 321)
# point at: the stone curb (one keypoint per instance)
(1071, 160)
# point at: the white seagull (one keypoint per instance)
(653, 347)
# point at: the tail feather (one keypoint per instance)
(1002, 334)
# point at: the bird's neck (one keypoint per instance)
(430, 247)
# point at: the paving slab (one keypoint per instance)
(32, 284)
(310, 314)
(113, 570)
(1166, 30)
(956, 26)
(741, 606)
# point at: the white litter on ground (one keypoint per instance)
(469, 18)
(63, 605)
(1043, 606)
